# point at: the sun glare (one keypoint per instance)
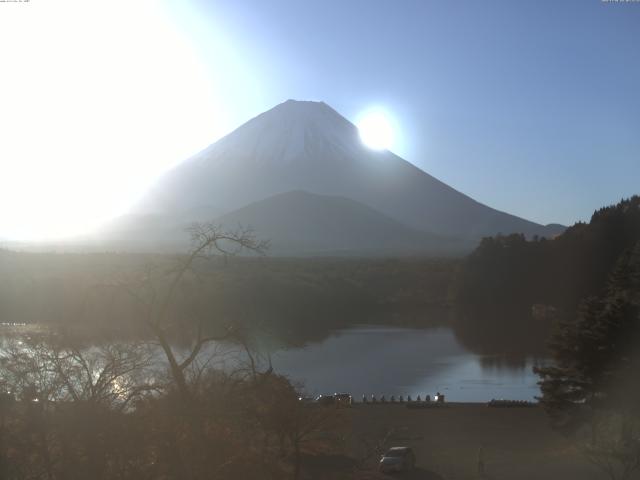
(376, 130)
(98, 99)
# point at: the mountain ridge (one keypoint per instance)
(301, 145)
(303, 223)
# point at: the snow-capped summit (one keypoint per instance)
(308, 146)
(288, 132)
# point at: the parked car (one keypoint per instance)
(337, 400)
(397, 459)
(326, 400)
(343, 399)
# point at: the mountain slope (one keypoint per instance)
(302, 223)
(309, 146)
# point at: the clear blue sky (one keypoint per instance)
(532, 107)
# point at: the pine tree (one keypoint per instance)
(596, 356)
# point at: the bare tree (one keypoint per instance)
(304, 423)
(54, 368)
(68, 398)
(156, 291)
(297, 425)
(613, 445)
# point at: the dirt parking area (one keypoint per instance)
(515, 443)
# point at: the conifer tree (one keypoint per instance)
(597, 354)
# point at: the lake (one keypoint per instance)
(366, 360)
(405, 361)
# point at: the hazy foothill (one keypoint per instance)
(429, 270)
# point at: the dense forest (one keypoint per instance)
(292, 301)
(510, 290)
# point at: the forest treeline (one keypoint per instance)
(294, 300)
(590, 389)
(510, 290)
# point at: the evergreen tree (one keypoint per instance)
(502, 282)
(596, 355)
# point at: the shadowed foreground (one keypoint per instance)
(517, 443)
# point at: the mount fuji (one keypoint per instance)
(310, 149)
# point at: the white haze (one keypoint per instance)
(96, 99)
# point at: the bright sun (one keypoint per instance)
(376, 130)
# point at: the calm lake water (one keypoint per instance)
(402, 361)
(365, 360)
